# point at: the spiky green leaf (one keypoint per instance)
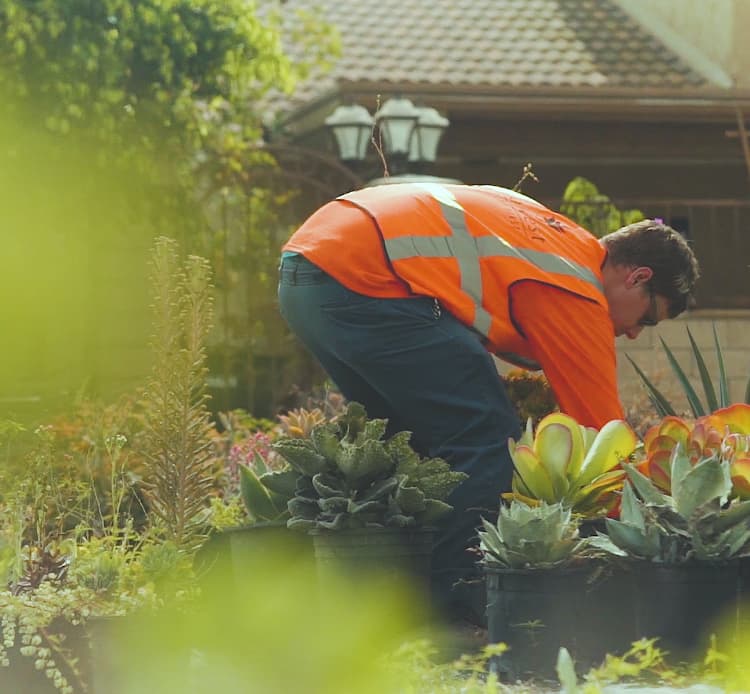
(708, 386)
(692, 397)
(658, 400)
(723, 384)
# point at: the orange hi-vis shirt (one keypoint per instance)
(527, 279)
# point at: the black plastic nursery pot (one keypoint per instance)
(683, 604)
(536, 611)
(402, 553)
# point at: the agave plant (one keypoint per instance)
(348, 476)
(541, 536)
(695, 522)
(577, 466)
(724, 433)
(713, 400)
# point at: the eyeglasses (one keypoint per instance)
(650, 319)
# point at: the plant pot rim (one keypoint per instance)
(691, 564)
(387, 530)
(580, 566)
(253, 526)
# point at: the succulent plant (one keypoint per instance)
(725, 433)
(530, 393)
(300, 422)
(575, 465)
(266, 493)
(541, 536)
(695, 522)
(348, 476)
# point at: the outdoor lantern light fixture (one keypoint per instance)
(410, 134)
(428, 130)
(351, 127)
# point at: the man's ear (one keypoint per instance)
(638, 276)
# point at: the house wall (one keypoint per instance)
(733, 332)
(636, 161)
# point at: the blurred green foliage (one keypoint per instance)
(120, 121)
(278, 630)
(584, 204)
(128, 72)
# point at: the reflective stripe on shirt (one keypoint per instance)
(467, 250)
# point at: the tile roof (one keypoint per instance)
(494, 45)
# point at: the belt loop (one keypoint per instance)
(288, 270)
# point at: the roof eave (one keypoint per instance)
(585, 102)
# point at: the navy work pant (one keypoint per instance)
(423, 370)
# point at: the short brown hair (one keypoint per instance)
(653, 244)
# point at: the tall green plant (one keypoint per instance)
(177, 443)
(716, 392)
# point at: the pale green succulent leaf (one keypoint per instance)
(281, 482)
(737, 513)
(328, 485)
(303, 508)
(645, 488)
(554, 446)
(604, 543)
(679, 466)
(257, 498)
(706, 481)
(380, 489)
(358, 507)
(434, 509)
(612, 446)
(410, 499)
(259, 464)
(532, 472)
(325, 440)
(300, 524)
(630, 509)
(634, 540)
(334, 504)
(301, 455)
(338, 522)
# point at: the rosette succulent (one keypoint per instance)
(566, 462)
(724, 433)
(349, 476)
(695, 522)
(541, 536)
